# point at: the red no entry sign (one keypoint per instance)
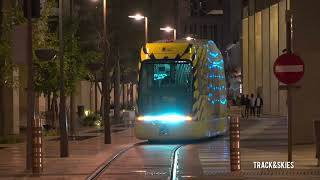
(288, 68)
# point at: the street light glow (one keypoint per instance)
(167, 29)
(189, 38)
(137, 17)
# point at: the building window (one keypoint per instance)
(185, 29)
(211, 32)
(190, 29)
(203, 7)
(215, 33)
(205, 32)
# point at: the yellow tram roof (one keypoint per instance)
(163, 51)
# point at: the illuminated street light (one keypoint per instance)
(139, 17)
(169, 29)
(190, 38)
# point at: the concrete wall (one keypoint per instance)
(305, 43)
(263, 40)
(245, 55)
(266, 71)
(306, 38)
(85, 95)
(11, 108)
(274, 53)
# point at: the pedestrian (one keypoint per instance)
(242, 105)
(259, 104)
(247, 104)
(252, 105)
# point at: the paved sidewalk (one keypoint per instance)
(262, 140)
(85, 156)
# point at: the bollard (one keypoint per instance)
(37, 153)
(235, 161)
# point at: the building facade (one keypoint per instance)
(211, 19)
(264, 39)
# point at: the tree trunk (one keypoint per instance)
(123, 96)
(117, 92)
(101, 105)
(54, 107)
(90, 96)
(95, 94)
(1, 88)
(131, 95)
(72, 114)
(49, 112)
(1, 111)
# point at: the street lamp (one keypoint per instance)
(64, 145)
(106, 79)
(105, 89)
(139, 17)
(169, 29)
(190, 38)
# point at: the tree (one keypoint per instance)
(10, 15)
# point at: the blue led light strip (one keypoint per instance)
(218, 64)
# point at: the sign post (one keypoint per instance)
(289, 69)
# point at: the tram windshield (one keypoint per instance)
(165, 87)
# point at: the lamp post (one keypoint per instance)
(106, 79)
(106, 87)
(139, 17)
(169, 29)
(64, 149)
(30, 93)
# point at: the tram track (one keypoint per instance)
(174, 163)
(97, 173)
(173, 166)
(100, 170)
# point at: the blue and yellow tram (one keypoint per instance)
(182, 91)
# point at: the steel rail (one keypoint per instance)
(98, 172)
(174, 164)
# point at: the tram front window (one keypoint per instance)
(165, 88)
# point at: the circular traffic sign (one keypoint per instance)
(288, 68)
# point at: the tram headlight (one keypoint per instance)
(165, 118)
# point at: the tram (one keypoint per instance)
(181, 92)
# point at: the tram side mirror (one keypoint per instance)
(145, 50)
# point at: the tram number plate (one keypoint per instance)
(163, 130)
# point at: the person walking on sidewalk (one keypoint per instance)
(259, 104)
(247, 104)
(242, 105)
(252, 105)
